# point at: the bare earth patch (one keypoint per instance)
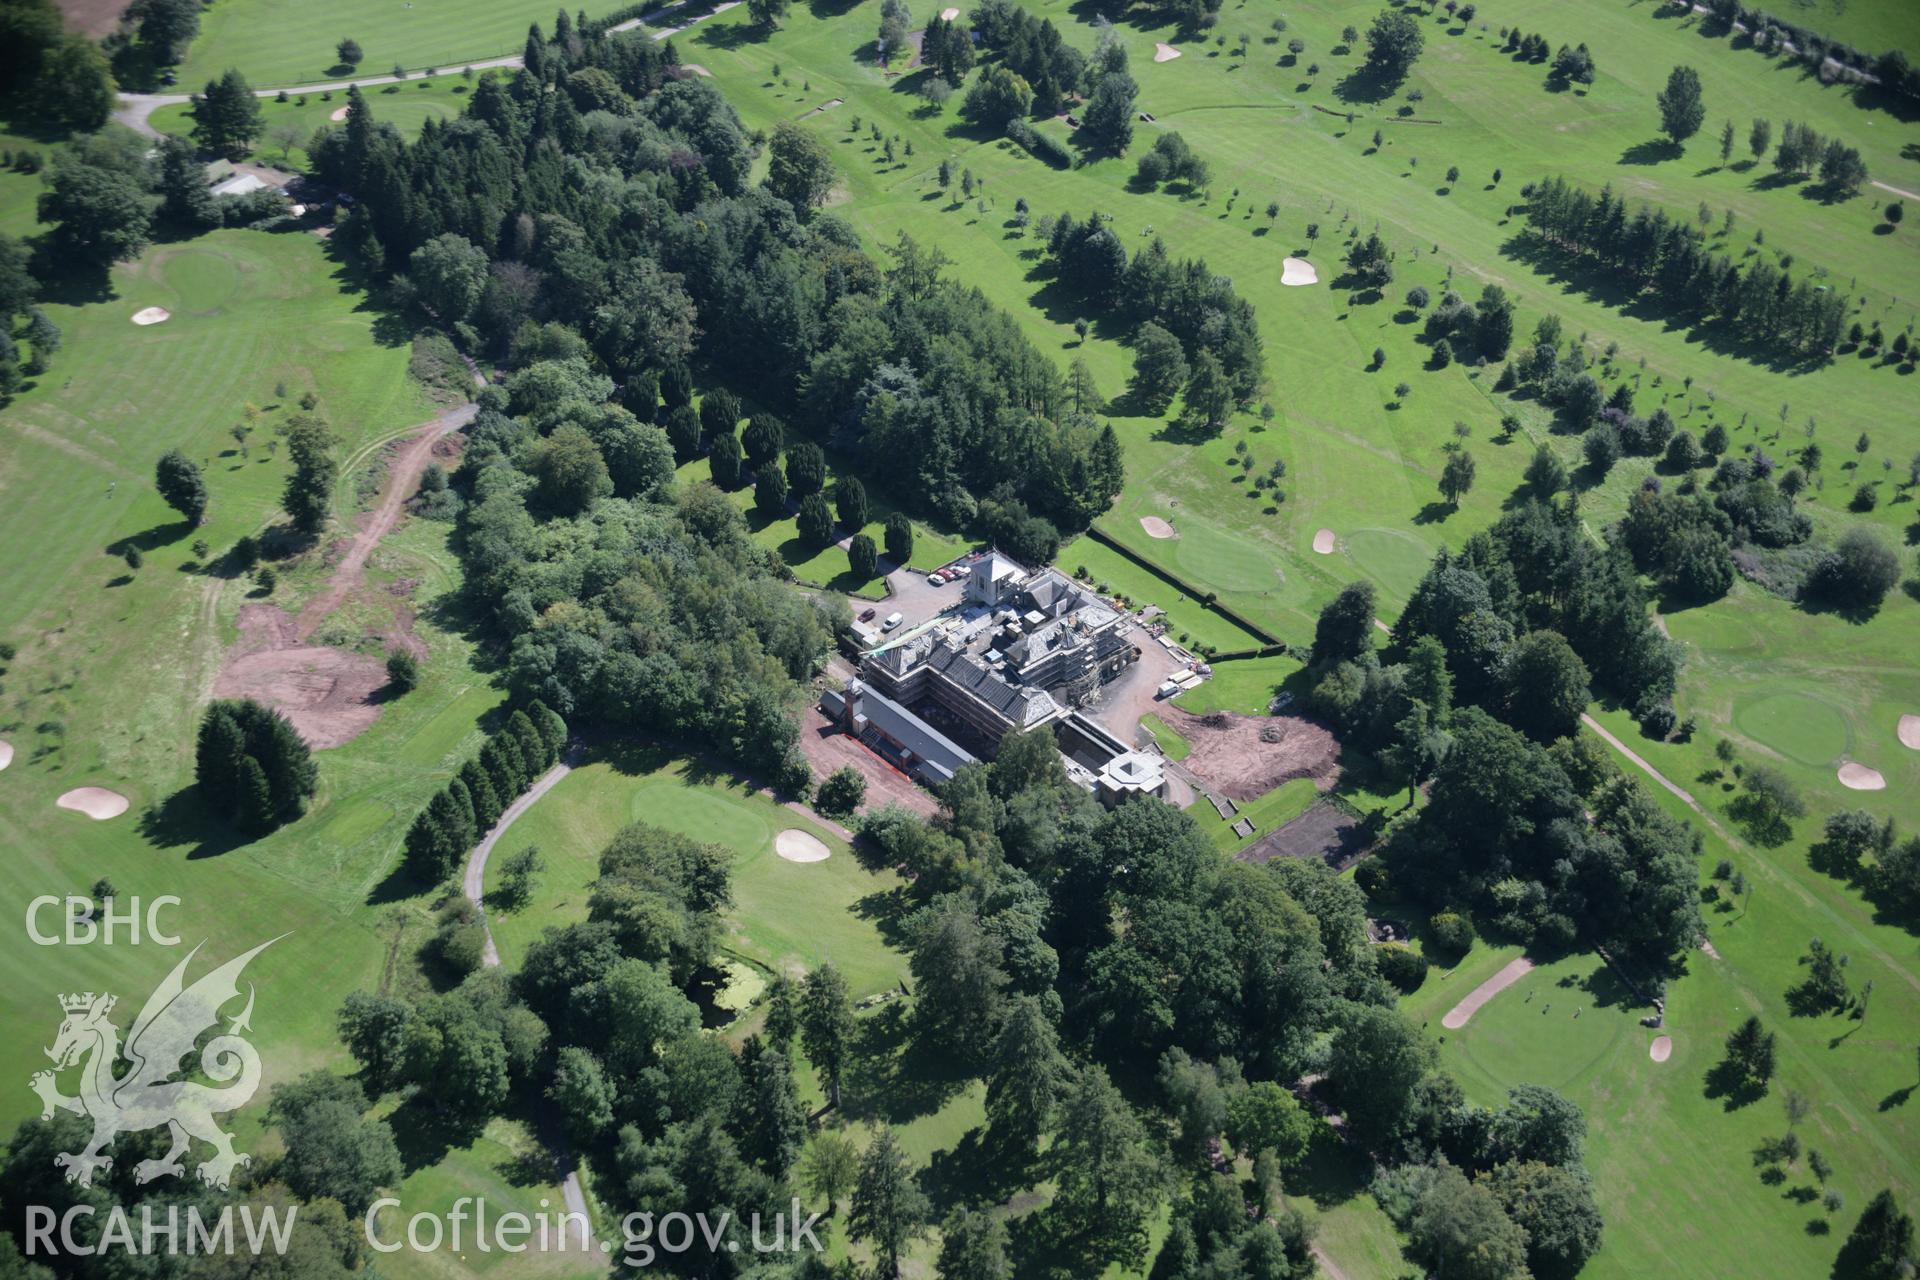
(1331, 835)
(798, 846)
(152, 315)
(97, 803)
(327, 693)
(1298, 271)
(1156, 527)
(1857, 777)
(92, 18)
(1164, 52)
(1515, 970)
(1910, 732)
(1244, 757)
(1661, 1049)
(1323, 542)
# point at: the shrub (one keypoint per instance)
(841, 792)
(1452, 932)
(1043, 146)
(403, 671)
(1401, 965)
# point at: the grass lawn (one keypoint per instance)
(1188, 620)
(507, 1169)
(407, 107)
(1246, 685)
(1275, 809)
(113, 666)
(278, 42)
(787, 916)
(1172, 745)
(1362, 463)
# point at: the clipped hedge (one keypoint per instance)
(1043, 146)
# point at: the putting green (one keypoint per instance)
(1209, 554)
(1516, 1040)
(710, 816)
(203, 279)
(1797, 725)
(1394, 560)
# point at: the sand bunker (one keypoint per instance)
(826, 106)
(1661, 1049)
(1910, 732)
(152, 315)
(1323, 542)
(948, 15)
(1858, 777)
(1298, 271)
(1156, 527)
(1165, 53)
(1458, 1015)
(696, 68)
(339, 114)
(798, 846)
(6, 753)
(97, 803)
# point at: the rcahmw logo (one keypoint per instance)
(149, 1096)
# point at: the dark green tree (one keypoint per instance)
(770, 493)
(1344, 629)
(826, 1026)
(1108, 1179)
(723, 461)
(308, 495)
(863, 560)
(899, 539)
(806, 469)
(890, 1211)
(227, 117)
(1548, 686)
(180, 486)
(333, 1150)
(815, 522)
(1394, 42)
(1159, 367)
(1682, 108)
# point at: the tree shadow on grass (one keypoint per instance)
(1730, 1083)
(976, 1170)
(895, 1076)
(888, 909)
(182, 819)
(425, 1136)
(1363, 86)
(1331, 1173)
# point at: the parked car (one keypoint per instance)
(935, 580)
(866, 615)
(893, 620)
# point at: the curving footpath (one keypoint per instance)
(474, 884)
(135, 109)
(1513, 971)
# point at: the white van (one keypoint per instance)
(893, 620)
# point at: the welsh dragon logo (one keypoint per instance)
(149, 1095)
